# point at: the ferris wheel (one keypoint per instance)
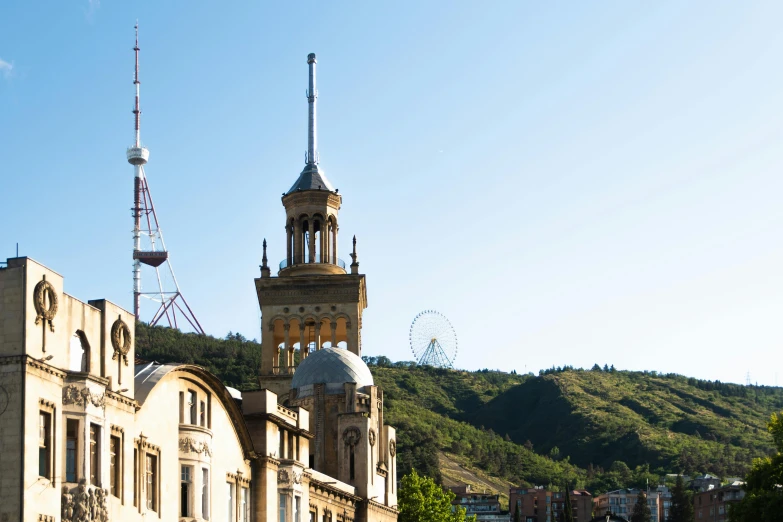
(433, 340)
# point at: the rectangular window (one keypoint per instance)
(135, 477)
(230, 487)
(44, 444)
(95, 455)
(297, 509)
(185, 488)
(205, 493)
(71, 449)
(203, 415)
(282, 507)
(115, 465)
(181, 407)
(192, 404)
(245, 505)
(152, 482)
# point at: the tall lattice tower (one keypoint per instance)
(148, 246)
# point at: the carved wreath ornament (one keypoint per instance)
(45, 301)
(352, 436)
(120, 340)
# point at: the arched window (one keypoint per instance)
(79, 357)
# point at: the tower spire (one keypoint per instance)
(137, 108)
(312, 96)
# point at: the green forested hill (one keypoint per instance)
(601, 429)
(670, 422)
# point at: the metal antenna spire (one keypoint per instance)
(145, 225)
(312, 96)
(136, 82)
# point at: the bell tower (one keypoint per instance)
(314, 302)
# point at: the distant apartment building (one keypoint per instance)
(712, 505)
(541, 505)
(620, 502)
(704, 482)
(485, 506)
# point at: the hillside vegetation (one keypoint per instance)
(601, 429)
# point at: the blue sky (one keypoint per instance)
(568, 182)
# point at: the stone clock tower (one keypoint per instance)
(313, 302)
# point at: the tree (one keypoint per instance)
(517, 514)
(568, 511)
(682, 503)
(641, 511)
(420, 499)
(763, 500)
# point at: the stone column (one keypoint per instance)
(298, 249)
(288, 239)
(334, 241)
(327, 242)
(352, 338)
(311, 224)
(302, 341)
(286, 347)
(317, 336)
(333, 331)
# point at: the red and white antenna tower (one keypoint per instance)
(148, 246)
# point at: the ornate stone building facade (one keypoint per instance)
(87, 435)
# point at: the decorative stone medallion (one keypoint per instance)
(371, 437)
(120, 340)
(392, 448)
(45, 302)
(352, 436)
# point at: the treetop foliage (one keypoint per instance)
(420, 499)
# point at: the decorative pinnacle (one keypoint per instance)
(354, 258)
(312, 95)
(263, 259)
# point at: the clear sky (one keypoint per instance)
(568, 182)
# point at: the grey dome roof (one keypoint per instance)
(332, 366)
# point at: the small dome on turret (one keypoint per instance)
(332, 366)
